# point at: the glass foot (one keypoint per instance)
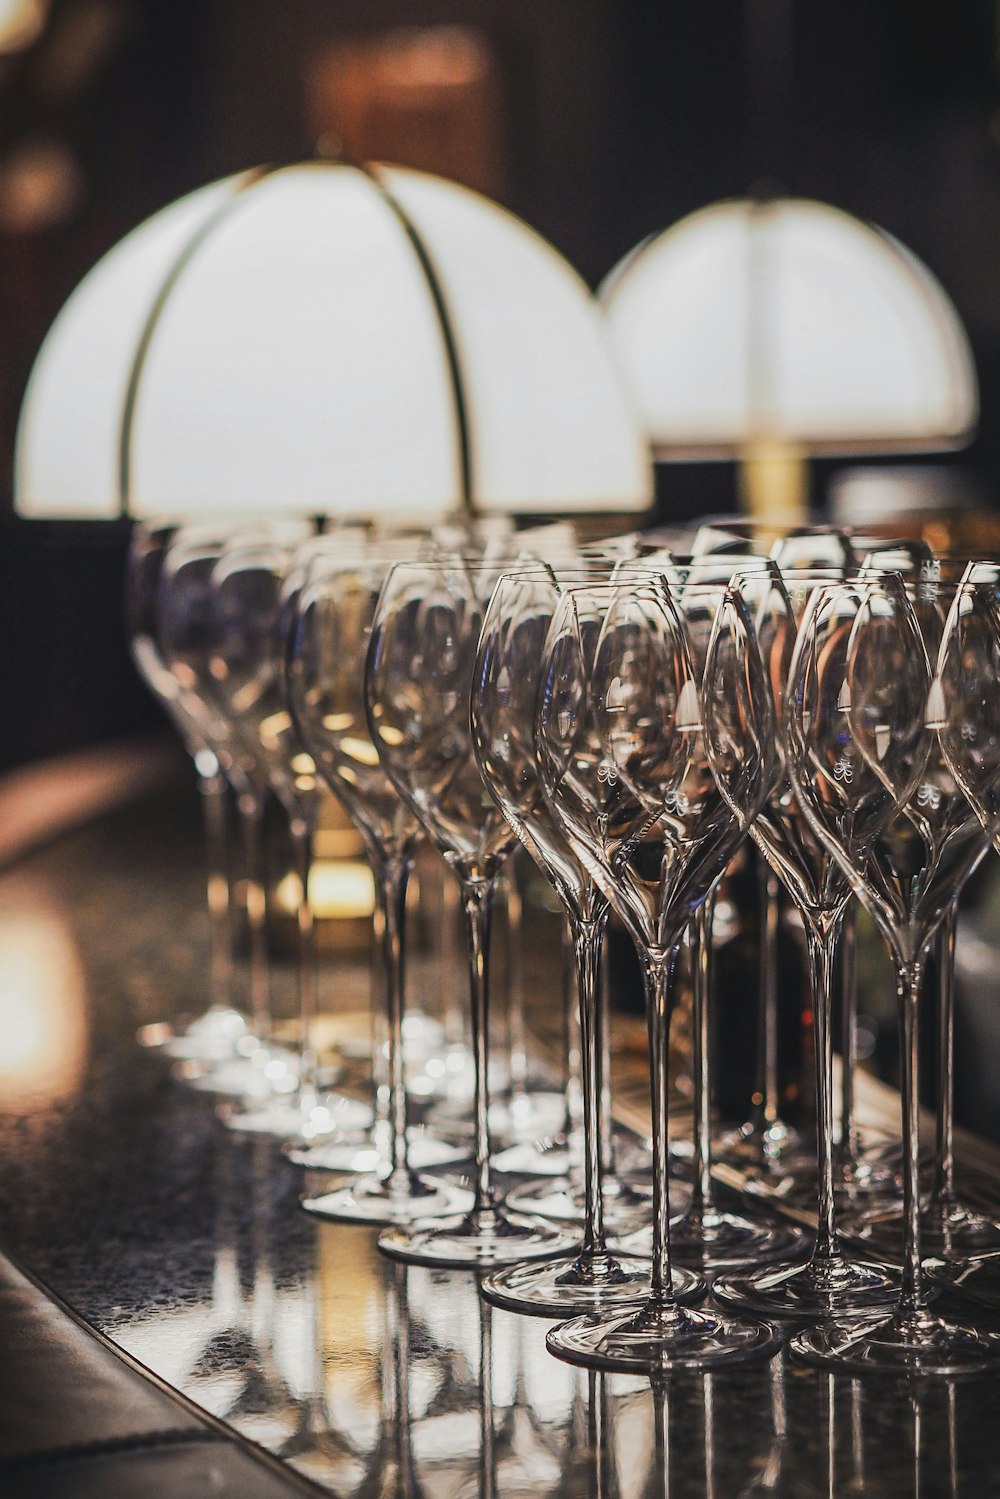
(376, 1199)
(954, 1232)
(976, 1281)
(627, 1210)
(552, 1156)
(265, 1070)
(573, 1284)
(520, 1122)
(654, 1340)
(479, 1240)
(918, 1343)
(211, 1037)
(816, 1288)
(715, 1240)
(363, 1153)
(289, 1117)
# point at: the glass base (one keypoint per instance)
(715, 1240)
(483, 1238)
(949, 1233)
(552, 1156)
(627, 1209)
(976, 1281)
(919, 1344)
(375, 1199)
(362, 1153)
(423, 1036)
(211, 1037)
(655, 1341)
(288, 1117)
(571, 1284)
(263, 1071)
(832, 1288)
(527, 1119)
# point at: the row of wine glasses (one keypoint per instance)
(631, 718)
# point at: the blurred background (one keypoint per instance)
(598, 121)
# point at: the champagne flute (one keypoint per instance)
(624, 761)
(503, 704)
(418, 683)
(325, 663)
(864, 758)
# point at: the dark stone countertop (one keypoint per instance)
(184, 1244)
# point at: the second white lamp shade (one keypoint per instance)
(788, 321)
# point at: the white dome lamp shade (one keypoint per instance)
(334, 341)
(776, 329)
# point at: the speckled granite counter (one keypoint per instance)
(184, 1244)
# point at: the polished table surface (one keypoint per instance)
(184, 1243)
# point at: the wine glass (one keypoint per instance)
(828, 1281)
(186, 628)
(325, 668)
(625, 765)
(503, 705)
(249, 588)
(865, 760)
(418, 683)
(213, 1034)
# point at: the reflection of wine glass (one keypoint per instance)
(418, 684)
(212, 1035)
(624, 759)
(868, 771)
(503, 705)
(329, 641)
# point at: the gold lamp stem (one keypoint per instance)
(774, 482)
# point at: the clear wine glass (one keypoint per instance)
(418, 684)
(186, 627)
(249, 585)
(624, 759)
(862, 726)
(325, 672)
(505, 689)
(829, 1281)
(707, 1232)
(211, 1036)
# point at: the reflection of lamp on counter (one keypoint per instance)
(771, 330)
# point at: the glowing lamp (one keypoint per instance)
(772, 330)
(329, 340)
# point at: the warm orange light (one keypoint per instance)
(43, 1029)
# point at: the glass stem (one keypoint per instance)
(767, 1111)
(821, 948)
(214, 806)
(848, 949)
(658, 977)
(908, 977)
(587, 938)
(700, 947)
(607, 1128)
(477, 903)
(516, 1039)
(251, 809)
(944, 965)
(302, 836)
(392, 877)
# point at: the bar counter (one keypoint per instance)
(183, 1243)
